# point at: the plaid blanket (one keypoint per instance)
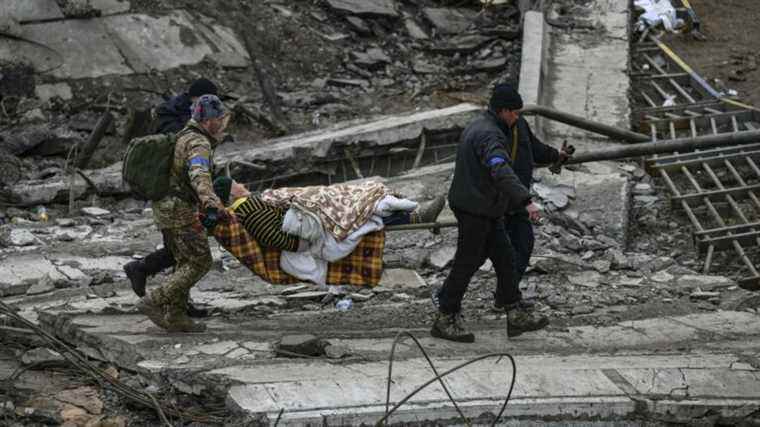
(363, 267)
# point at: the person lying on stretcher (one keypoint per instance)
(264, 221)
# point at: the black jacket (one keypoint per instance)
(484, 182)
(174, 114)
(530, 151)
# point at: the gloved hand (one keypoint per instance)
(565, 153)
(210, 217)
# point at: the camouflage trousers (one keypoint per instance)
(192, 254)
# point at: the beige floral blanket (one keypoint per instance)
(343, 208)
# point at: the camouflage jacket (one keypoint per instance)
(191, 186)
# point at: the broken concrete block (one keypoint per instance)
(704, 295)
(617, 258)
(337, 351)
(237, 353)
(76, 276)
(110, 7)
(359, 25)
(373, 59)
(449, 21)
(633, 282)
(381, 8)
(588, 279)
(401, 297)
(45, 284)
(21, 237)
(271, 302)
(643, 189)
(46, 92)
(294, 289)
(441, 257)
(605, 199)
(395, 278)
(95, 211)
(704, 282)
(41, 355)
(307, 345)
(38, 10)
(415, 31)
(661, 277)
(86, 47)
(217, 349)
(65, 222)
(361, 297)
(306, 296)
(602, 265)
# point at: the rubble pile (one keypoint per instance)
(324, 62)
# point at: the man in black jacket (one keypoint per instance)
(488, 185)
(526, 151)
(172, 117)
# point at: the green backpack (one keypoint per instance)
(147, 165)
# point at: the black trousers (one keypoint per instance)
(520, 232)
(480, 238)
(159, 260)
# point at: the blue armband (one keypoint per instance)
(495, 160)
(200, 161)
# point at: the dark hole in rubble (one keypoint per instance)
(348, 163)
(187, 36)
(16, 79)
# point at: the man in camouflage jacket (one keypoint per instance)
(177, 215)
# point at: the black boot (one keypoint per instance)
(450, 327)
(521, 318)
(196, 312)
(137, 276)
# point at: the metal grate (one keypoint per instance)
(717, 189)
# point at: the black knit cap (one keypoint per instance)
(202, 87)
(222, 187)
(505, 96)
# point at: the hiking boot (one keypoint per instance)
(195, 311)
(528, 303)
(435, 297)
(176, 320)
(450, 327)
(137, 276)
(155, 312)
(430, 212)
(522, 319)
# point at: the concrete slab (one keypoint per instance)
(382, 8)
(19, 273)
(533, 64)
(587, 72)
(550, 386)
(227, 50)
(110, 7)
(401, 278)
(30, 10)
(84, 46)
(158, 43)
(383, 131)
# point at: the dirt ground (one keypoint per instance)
(730, 52)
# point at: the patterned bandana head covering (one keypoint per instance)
(207, 107)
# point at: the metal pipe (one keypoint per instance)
(585, 124)
(421, 226)
(680, 144)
